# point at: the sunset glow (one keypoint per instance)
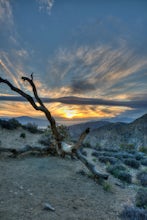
(88, 66)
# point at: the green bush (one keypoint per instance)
(122, 154)
(139, 155)
(23, 135)
(143, 149)
(133, 213)
(63, 130)
(141, 198)
(11, 124)
(32, 128)
(132, 163)
(127, 147)
(144, 162)
(95, 153)
(120, 172)
(107, 187)
(142, 177)
(104, 159)
(86, 145)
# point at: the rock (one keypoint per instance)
(48, 207)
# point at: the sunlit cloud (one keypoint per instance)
(91, 112)
(9, 73)
(16, 109)
(96, 71)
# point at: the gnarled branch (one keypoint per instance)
(42, 108)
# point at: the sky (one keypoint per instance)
(89, 58)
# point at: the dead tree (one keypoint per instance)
(39, 106)
(62, 148)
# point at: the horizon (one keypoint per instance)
(88, 67)
(43, 122)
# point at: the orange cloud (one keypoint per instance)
(58, 110)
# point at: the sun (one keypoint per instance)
(69, 114)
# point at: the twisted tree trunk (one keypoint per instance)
(62, 148)
(39, 107)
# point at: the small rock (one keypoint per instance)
(48, 207)
(21, 187)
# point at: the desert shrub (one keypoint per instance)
(141, 198)
(125, 176)
(132, 163)
(109, 154)
(81, 172)
(143, 149)
(120, 172)
(127, 147)
(83, 152)
(104, 159)
(133, 213)
(45, 140)
(121, 155)
(139, 155)
(11, 124)
(23, 135)
(110, 149)
(142, 177)
(86, 145)
(31, 127)
(144, 162)
(95, 154)
(107, 186)
(63, 130)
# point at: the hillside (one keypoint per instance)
(77, 129)
(29, 181)
(113, 135)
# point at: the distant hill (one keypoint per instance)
(113, 135)
(41, 123)
(38, 121)
(77, 129)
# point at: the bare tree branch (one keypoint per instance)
(91, 166)
(34, 89)
(25, 95)
(42, 108)
(62, 148)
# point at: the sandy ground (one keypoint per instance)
(27, 182)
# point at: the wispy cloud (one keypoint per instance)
(95, 71)
(9, 73)
(45, 5)
(6, 15)
(72, 100)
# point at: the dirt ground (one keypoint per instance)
(28, 182)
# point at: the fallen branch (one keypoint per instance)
(91, 166)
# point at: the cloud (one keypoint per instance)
(80, 86)
(6, 15)
(9, 73)
(84, 101)
(98, 71)
(45, 5)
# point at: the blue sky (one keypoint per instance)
(89, 57)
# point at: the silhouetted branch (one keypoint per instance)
(42, 108)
